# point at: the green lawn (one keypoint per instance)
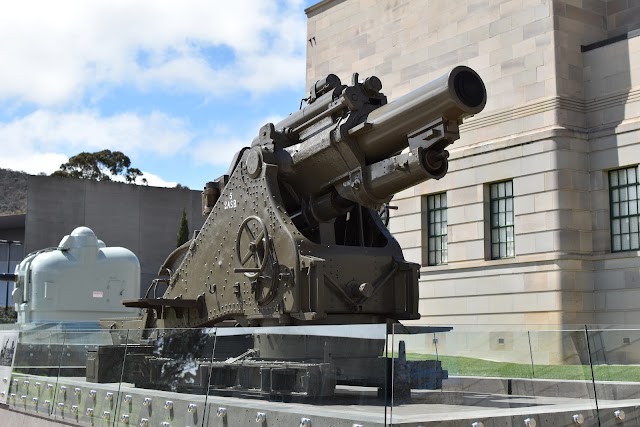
(467, 366)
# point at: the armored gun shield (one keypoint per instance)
(293, 235)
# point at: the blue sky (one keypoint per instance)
(177, 86)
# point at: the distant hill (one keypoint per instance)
(13, 192)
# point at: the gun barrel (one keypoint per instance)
(324, 88)
(453, 96)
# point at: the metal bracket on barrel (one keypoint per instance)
(434, 132)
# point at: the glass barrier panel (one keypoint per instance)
(9, 327)
(8, 344)
(78, 396)
(165, 377)
(562, 374)
(615, 359)
(461, 374)
(36, 365)
(319, 375)
(299, 375)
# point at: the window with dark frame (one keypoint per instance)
(501, 220)
(437, 229)
(625, 217)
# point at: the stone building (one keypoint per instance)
(537, 221)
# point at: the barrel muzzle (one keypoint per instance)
(450, 98)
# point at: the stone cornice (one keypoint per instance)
(551, 104)
(512, 141)
(320, 6)
(506, 115)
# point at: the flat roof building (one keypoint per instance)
(140, 218)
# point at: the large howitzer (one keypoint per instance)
(293, 235)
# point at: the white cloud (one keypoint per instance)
(54, 52)
(156, 181)
(152, 180)
(43, 140)
(33, 162)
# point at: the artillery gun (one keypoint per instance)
(293, 237)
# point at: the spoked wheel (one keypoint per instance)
(257, 260)
(252, 246)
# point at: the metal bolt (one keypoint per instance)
(261, 418)
(146, 401)
(305, 422)
(5, 380)
(165, 424)
(168, 404)
(365, 289)
(63, 390)
(127, 398)
(106, 415)
(89, 412)
(619, 414)
(35, 401)
(578, 419)
(108, 396)
(530, 422)
(221, 412)
(77, 391)
(74, 409)
(124, 418)
(477, 424)
(47, 403)
(92, 394)
(192, 407)
(144, 422)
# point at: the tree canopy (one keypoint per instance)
(100, 166)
